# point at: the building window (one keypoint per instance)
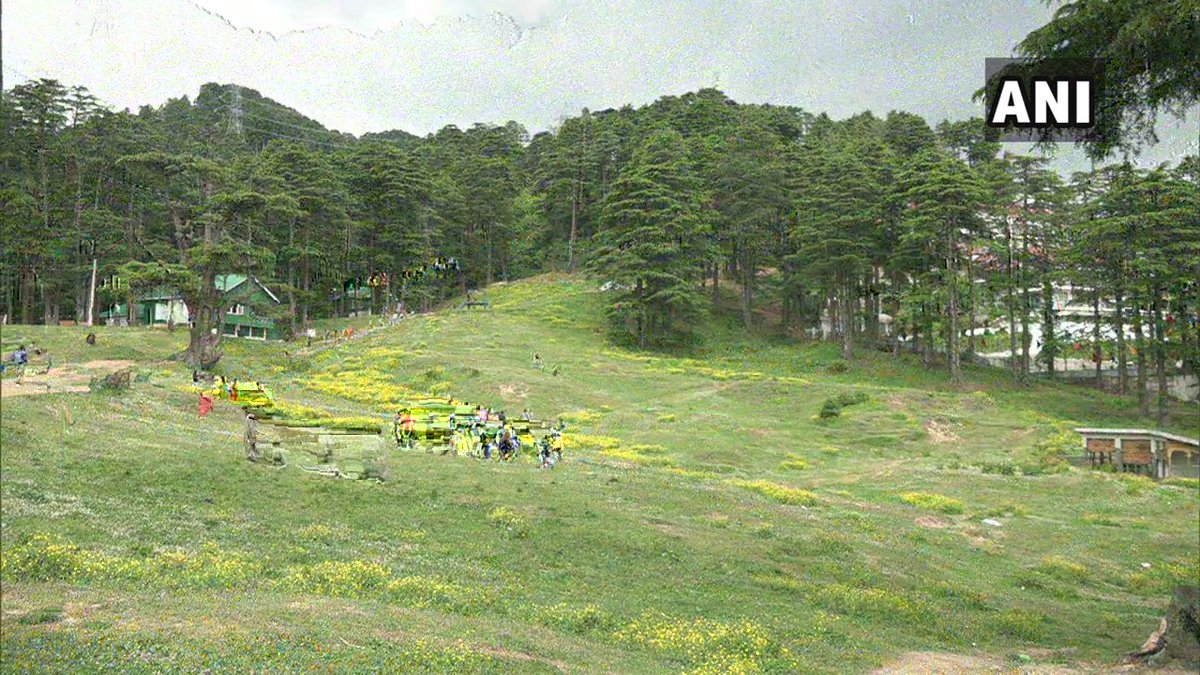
(237, 310)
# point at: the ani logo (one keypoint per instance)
(1044, 101)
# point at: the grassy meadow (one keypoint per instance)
(707, 519)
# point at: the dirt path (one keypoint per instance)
(68, 378)
(914, 663)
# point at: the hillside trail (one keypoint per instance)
(946, 663)
(64, 378)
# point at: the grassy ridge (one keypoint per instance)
(706, 519)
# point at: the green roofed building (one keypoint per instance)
(242, 295)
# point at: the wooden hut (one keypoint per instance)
(1154, 453)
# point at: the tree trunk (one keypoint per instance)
(927, 320)
(1025, 305)
(305, 276)
(574, 227)
(1139, 341)
(291, 274)
(487, 233)
(747, 292)
(641, 316)
(1011, 308)
(1097, 348)
(847, 322)
(1119, 326)
(971, 304)
(131, 314)
(716, 282)
(952, 310)
(1049, 348)
(25, 290)
(1160, 357)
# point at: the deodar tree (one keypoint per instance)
(654, 244)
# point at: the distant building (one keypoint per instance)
(241, 294)
(1155, 453)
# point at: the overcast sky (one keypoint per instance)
(371, 65)
(367, 16)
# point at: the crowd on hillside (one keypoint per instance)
(488, 435)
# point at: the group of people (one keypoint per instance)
(486, 434)
(19, 360)
(440, 267)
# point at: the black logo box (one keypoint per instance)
(1028, 71)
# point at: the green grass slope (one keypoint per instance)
(706, 519)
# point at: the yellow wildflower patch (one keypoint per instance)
(707, 646)
(783, 494)
(933, 502)
(794, 462)
(590, 442)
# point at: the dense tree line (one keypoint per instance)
(889, 232)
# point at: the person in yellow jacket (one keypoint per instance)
(556, 445)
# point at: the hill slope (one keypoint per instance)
(705, 519)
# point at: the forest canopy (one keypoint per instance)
(802, 224)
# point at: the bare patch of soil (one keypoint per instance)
(503, 653)
(509, 391)
(914, 663)
(67, 378)
(932, 522)
(940, 432)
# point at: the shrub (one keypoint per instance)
(832, 407)
(849, 398)
(1049, 454)
(1002, 468)
(829, 410)
(508, 520)
(933, 502)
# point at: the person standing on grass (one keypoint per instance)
(506, 446)
(537, 361)
(252, 438)
(20, 358)
(407, 428)
(206, 404)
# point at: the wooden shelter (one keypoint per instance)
(1155, 453)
